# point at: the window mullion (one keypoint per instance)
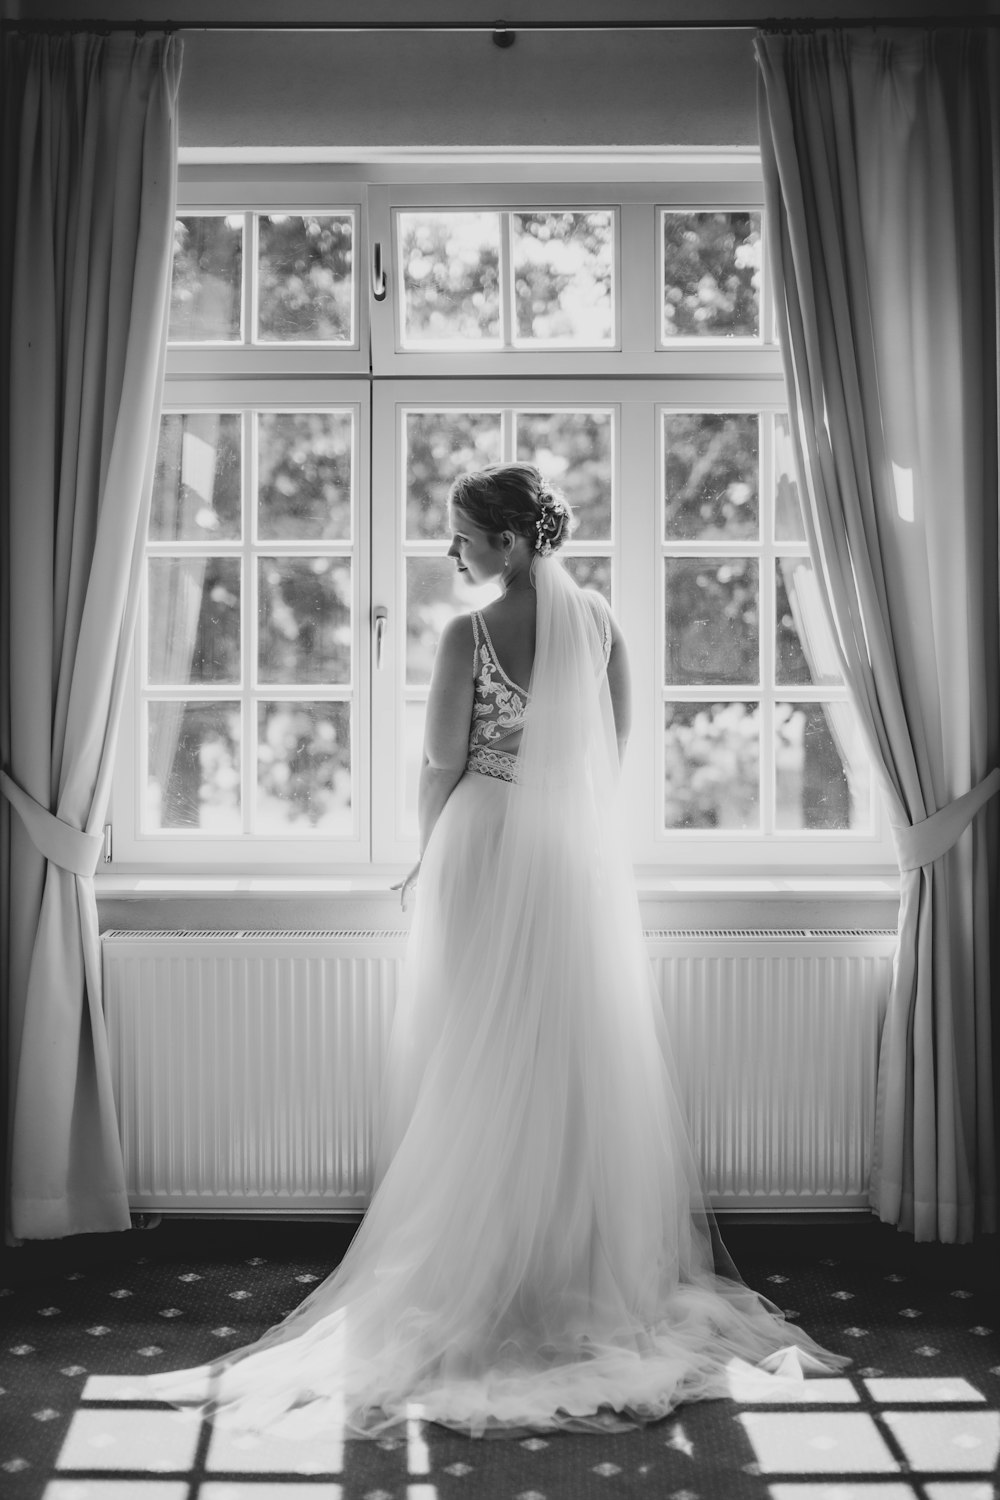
(766, 628)
(768, 769)
(638, 598)
(506, 280)
(508, 434)
(636, 273)
(248, 290)
(250, 618)
(388, 569)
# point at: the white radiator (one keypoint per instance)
(246, 1065)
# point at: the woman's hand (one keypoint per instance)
(407, 885)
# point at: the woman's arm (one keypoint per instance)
(446, 731)
(446, 727)
(620, 687)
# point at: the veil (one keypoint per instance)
(564, 831)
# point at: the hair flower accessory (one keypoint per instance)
(548, 527)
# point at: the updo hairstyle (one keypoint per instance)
(515, 497)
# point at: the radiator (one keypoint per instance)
(246, 1065)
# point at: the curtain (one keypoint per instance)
(88, 200)
(880, 174)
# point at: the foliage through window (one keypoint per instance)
(249, 624)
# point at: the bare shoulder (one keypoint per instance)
(458, 632)
(456, 645)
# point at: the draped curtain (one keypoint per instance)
(881, 164)
(89, 181)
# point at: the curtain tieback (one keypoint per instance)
(60, 842)
(921, 843)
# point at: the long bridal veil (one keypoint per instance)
(538, 1252)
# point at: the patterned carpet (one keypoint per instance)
(917, 1414)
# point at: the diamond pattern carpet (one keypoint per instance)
(916, 1417)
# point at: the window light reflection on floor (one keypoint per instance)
(122, 1437)
(932, 1438)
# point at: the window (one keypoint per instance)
(251, 708)
(616, 334)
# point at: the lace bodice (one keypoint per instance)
(499, 704)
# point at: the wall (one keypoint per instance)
(243, 90)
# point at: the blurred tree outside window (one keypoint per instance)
(755, 716)
(284, 579)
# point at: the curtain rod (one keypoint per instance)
(504, 34)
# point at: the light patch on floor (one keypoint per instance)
(117, 1489)
(754, 1390)
(817, 1443)
(947, 1441)
(927, 1390)
(960, 1489)
(151, 1441)
(252, 1453)
(841, 1491)
(275, 1490)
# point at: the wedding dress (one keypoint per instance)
(538, 1252)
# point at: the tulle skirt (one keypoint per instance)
(537, 1253)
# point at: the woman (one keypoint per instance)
(538, 1252)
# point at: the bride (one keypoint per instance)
(538, 1252)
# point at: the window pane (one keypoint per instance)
(590, 573)
(440, 445)
(572, 449)
(711, 765)
(304, 619)
(788, 525)
(305, 282)
(823, 776)
(196, 486)
(434, 594)
(451, 278)
(304, 476)
(193, 775)
(805, 650)
(711, 610)
(711, 275)
(193, 610)
(563, 264)
(710, 469)
(304, 769)
(206, 295)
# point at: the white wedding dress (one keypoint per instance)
(538, 1252)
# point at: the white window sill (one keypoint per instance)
(784, 887)
(683, 901)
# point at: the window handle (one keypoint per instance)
(378, 273)
(381, 619)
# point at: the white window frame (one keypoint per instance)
(201, 190)
(638, 378)
(638, 239)
(637, 587)
(178, 849)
